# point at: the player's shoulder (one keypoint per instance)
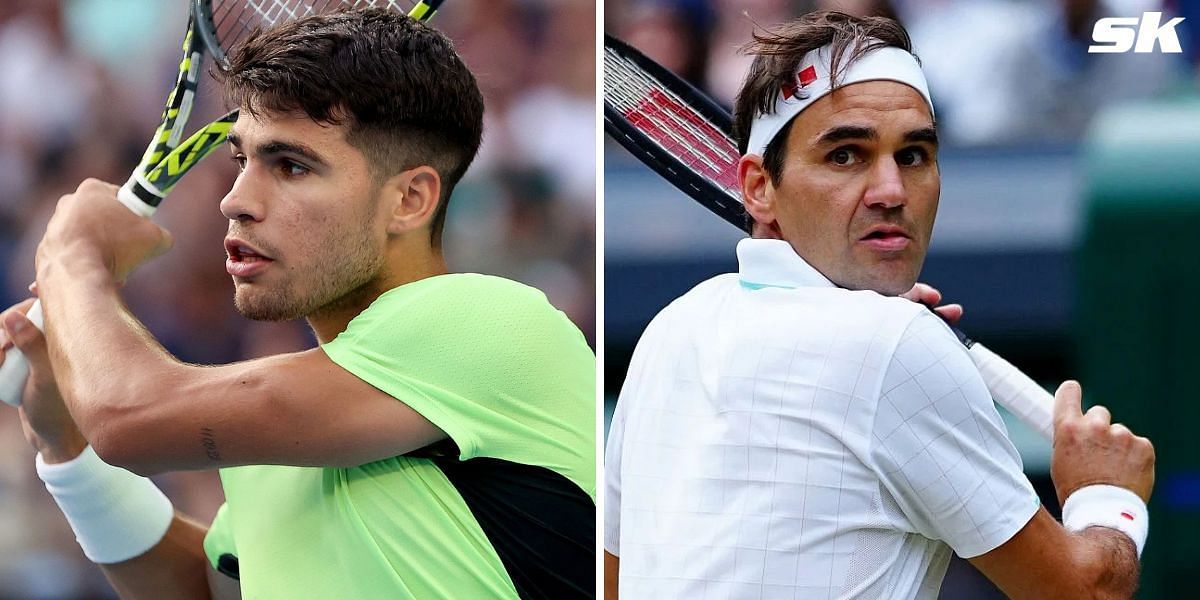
(470, 284)
(784, 309)
(702, 295)
(926, 334)
(843, 319)
(465, 294)
(490, 297)
(466, 314)
(697, 304)
(927, 342)
(874, 304)
(911, 324)
(837, 313)
(462, 304)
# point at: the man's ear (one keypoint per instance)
(413, 197)
(757, 193)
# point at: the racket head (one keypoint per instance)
(219, 25)
(223, 24)
(673, 128)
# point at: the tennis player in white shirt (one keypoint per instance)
(795, 429)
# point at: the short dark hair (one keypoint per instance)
(778, 51)
(404, 94)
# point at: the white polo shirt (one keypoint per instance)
(779, 437)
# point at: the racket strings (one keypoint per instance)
(272, 12)
(671, 122)
(234, 20)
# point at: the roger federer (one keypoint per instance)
(796, 430)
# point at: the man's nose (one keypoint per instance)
(885, 186)
(240, 204)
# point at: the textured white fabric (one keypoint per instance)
(115, 514)
(813, 81)
(778, 437)
(1108, 506)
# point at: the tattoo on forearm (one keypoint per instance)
(210, 444)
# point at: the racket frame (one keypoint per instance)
(661, 160)
(167, 159)
(202, 13)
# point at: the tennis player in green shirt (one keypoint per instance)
(438, 444)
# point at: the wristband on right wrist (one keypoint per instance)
(1108, 506)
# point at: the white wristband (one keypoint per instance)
(1108, 506)
(115, 514)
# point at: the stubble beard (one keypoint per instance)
(345, 273)
(333, 288)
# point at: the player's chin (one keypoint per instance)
(259, 304)
(890, 275)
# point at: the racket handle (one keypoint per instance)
(131, 193)
(15, 369)
(1014, 390)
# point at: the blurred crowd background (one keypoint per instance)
(82, 85)
(1068, 179)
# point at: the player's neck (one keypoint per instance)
(403, 266)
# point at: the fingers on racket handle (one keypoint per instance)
(1014, 390)
(15, 369)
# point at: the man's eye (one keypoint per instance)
(240, 161)
(292, 169)
(911, 157)
(843, 156)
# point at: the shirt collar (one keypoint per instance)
(773, 263)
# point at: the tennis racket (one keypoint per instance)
(686, 138)
(214, 27)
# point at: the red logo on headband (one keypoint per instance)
(807, 76)
(803, 78)
(1127, 515)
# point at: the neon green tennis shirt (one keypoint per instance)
(512, 382)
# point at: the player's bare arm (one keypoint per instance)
(1044, 560)
(177, 563)
(612, 568)
(284, 416)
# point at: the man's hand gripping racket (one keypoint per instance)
(686, 138)
(214, 27)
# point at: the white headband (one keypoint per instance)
(812, 82)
